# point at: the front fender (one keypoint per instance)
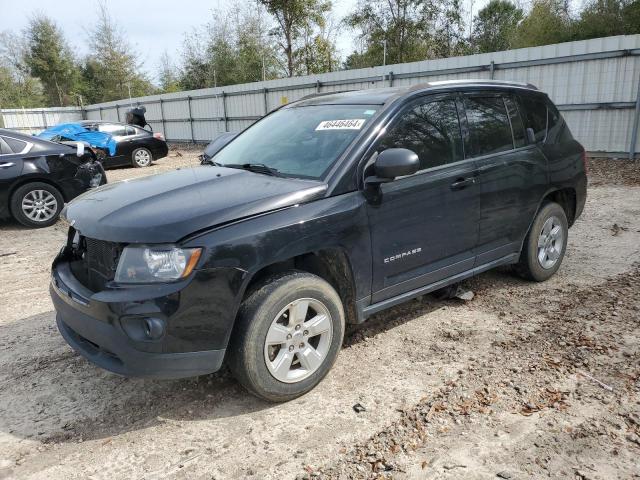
(251, 245)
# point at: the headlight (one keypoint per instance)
(158, 263)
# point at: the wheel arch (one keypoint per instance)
(332, 264)
(566, 198)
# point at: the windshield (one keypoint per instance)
(299, 141)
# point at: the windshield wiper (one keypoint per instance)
(255, 167)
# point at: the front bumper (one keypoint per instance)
(95, 328)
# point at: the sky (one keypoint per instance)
(151, 27)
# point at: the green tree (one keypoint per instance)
(49, 58)
(548, 22)
(167, 75)
(603, 18)
(231, 48)
(18, 89)
(111, 69)
(294, 19)
(494, 26)
(411, 30)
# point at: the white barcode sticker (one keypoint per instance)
(349, 124)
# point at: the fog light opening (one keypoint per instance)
(153, 328)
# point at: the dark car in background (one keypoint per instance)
(134, 145)
(38, 176)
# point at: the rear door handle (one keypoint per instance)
(461, 183)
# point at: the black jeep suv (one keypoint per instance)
(324, 212)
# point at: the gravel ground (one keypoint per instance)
(524, 381)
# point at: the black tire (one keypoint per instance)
(529, 266)
(246, 353)
(28, 190)
(146, 153)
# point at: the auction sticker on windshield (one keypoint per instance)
(349, 124)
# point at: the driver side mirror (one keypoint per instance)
(392, 163)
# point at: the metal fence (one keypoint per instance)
(33, 120)
(595, 83)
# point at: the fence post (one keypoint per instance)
(492, 69)
(100, 112)
(391, 79)
(266, 101)
(162, 118)
(318, 85)
(118, 111)
(224, 111)
(636, 124)
(193, 138)
(44, 119)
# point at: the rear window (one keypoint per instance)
(16, 146)
(535, 116)
(516, 122)
(112, 129)
(4, 148)
(488, 124)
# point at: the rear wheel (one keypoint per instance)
(288, 336)
(141, 157)
(36, 204)
(545, 244)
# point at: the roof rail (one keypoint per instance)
(481, 81)
(322, 94)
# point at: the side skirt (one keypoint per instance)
(365, 311)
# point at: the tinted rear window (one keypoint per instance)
(535, 116)
(4, 148)
(113, 129)
(488, 124)
(16, 146)
(517, 126)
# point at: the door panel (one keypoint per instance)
(511, 185)
(425, 226)
(511, 181)
(423, 230)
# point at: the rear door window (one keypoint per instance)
(112, 129)
(535, 116)
(488, 124)
(4, 148)
(431, 130)
(517, 126)
(15, 146)
(130, 131)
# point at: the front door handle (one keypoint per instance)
(461, 183)
(6, 164)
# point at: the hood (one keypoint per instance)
(169, 206)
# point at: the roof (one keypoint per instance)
(380, 96)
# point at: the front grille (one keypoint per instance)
(101, 259)
(96, 261)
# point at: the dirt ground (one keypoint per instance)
(524, 381)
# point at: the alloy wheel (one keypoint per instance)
(142, 158)
(39, 205)
(550, 243)
(298, 340)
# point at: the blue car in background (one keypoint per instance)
(120, 144)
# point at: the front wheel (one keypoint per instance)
(141, 157)
(288, 336)
(545, 244)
